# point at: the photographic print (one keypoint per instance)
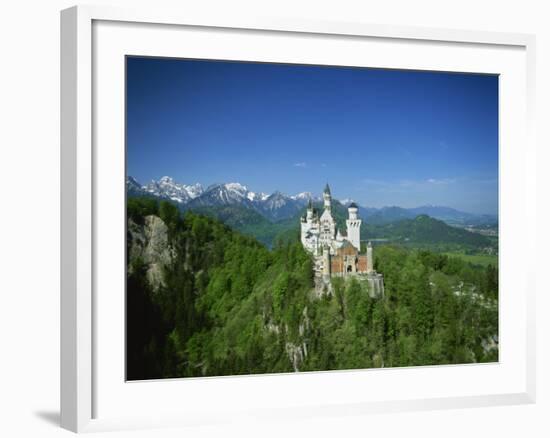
(286, 218)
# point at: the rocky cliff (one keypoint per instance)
(149, 243)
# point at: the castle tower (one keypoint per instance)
(309, 212)
(326, 262)
(327, 224)
(327, 197)
(370, 260)
(354, 226)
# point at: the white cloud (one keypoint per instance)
(441, 181)
(302, 164)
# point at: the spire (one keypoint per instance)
(327, 197)
(309, 204)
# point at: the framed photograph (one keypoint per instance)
(266, 218)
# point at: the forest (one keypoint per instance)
(226, 304)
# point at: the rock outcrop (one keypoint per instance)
(150, 243)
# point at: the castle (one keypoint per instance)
(337, 253)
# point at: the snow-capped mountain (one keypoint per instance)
(306, 196)
(278, 206)
(274, 207)
(253, 196)
(166, 187)
(222, 194)
(133, 188)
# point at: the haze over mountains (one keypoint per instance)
(279, 206)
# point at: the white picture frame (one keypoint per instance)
(84, 176)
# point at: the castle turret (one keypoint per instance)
(370, 260)
(327, 197)
(309, 212)
(354, 226)
(327, 223)
(352, 211)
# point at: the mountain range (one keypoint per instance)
(279, 206)
(274, 207)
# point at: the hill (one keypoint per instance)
(248, 222)
(422, 231)
(205, 300)
(425, 230)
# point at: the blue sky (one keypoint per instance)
(380, 137)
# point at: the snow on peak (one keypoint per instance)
(303, 195)
(237, 187)
(166, 180)
(253, 196)
(194, 190)
(166, 187)
(130, 180)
